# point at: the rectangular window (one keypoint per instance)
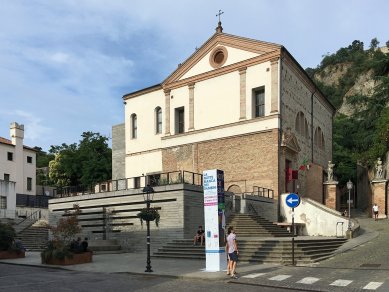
(159, 121)
(180, 120)
(29, 184)
(10, 156)
(259, 102)
(29, 159)
(134, 126)
(6, 176)
(3, 202)
(136, 182)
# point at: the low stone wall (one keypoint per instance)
(319, 220)
(265, 207)
(112, 215)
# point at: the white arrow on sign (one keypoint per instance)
(291, 200)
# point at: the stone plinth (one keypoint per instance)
(331, 194)
(378, 197)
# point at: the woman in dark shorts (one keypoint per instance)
(232, 249)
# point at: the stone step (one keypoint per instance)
(170, 256)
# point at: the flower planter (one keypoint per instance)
(78, 258)
(11, 254)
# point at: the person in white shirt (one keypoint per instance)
(375, 212)
(232, 250)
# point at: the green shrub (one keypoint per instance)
(7, 235)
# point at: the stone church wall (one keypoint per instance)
(296, 96)
(247, 160)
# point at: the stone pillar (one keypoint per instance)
(242, 74)
(331, 195)
(378, 197)
(274, 85)
(167, 112)
(191, 106)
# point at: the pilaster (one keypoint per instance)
(331, 195)
(274, 85)
(378, 197)
(167, 112)
(191, 106)
(242, 74)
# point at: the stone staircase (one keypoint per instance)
(181, 248)
(277, 251)
(259, 241)
(22, 223)
(306, 251)
(34, 238)
(247, 225)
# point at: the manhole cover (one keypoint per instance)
(370, 265)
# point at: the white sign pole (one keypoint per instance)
(213, 182)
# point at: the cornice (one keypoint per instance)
(224, 70)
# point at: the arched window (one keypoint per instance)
(301, 125)
(158, 120)
(319, 138)
(134, 126)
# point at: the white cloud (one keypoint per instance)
(65, 64)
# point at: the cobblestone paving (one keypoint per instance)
(375, 252)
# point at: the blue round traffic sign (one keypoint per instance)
(292, 200)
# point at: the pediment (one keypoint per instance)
(237, 48)
(289, 141)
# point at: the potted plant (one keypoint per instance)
(60, 249)
(10, 247)
(149, 214)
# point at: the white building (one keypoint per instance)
(237, 104)
(17, 170)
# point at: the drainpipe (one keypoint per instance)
(312, 95)
(279, 134)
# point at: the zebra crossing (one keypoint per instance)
(311, 280)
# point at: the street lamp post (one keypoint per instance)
(149, 191)
(349, 187)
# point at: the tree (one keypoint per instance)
(95, 157)
(84, 164)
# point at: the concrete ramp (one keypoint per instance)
(319, 220)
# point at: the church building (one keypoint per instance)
(237, 104)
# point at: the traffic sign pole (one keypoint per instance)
(292, 201)
(292, 236)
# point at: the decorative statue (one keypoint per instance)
(378, 168)
(330, 171)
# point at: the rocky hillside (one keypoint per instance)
(356, 80)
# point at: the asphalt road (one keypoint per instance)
(16, 278)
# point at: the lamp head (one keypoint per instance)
(349, 185)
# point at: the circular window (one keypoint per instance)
(218, 57)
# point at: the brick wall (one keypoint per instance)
(247, 161)
(314, 183)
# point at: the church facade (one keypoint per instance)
(237, 104)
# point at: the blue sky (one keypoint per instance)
(65, 64)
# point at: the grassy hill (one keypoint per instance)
(356, 81)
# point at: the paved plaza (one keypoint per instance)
(362, 264)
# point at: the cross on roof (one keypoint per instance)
(220, 13)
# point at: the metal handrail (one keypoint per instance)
(28, 217)
(263, 192)
(155, 179)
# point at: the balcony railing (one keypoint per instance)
(156, 179)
